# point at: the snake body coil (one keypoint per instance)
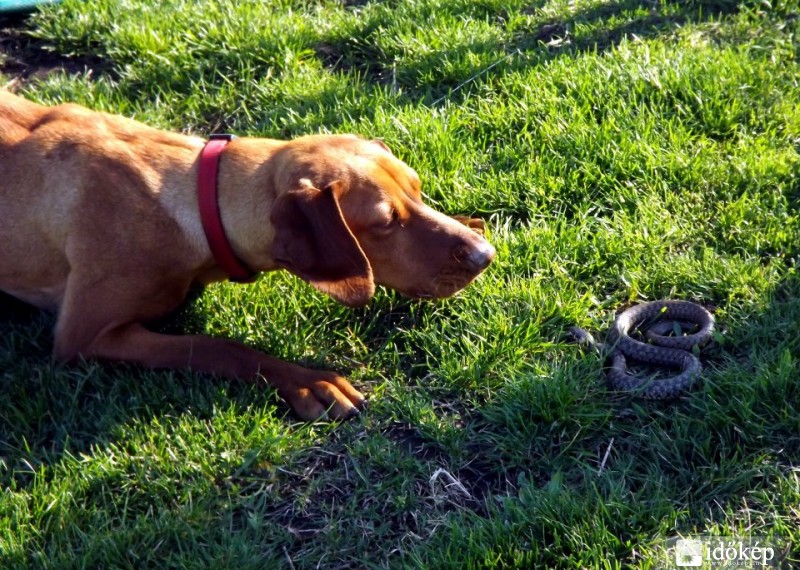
(662, 350)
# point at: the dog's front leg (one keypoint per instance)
(83, 331)
(311, 393)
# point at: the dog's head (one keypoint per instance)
(352, 217)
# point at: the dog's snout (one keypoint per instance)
(476, 257)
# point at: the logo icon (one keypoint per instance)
(689, 553)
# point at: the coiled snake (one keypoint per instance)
(655, 320)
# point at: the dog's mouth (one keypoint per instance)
(442, 289)
(422, 295)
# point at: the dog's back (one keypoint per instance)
(68, 169)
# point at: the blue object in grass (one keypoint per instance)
(12, 6)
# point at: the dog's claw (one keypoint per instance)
(354, 412)
(324, 396)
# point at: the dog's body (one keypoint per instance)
(101, 224)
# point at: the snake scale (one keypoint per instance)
(654, 321)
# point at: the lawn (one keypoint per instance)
(620, 151)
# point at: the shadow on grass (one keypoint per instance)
(430, 78)
(691, 462)
(423, 78)
(48, 409)
(26, 59)
(711, 457)
(126, 505)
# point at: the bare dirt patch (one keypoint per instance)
(25, 58)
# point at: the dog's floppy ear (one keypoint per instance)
(313, 241)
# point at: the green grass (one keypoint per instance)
(621, 151)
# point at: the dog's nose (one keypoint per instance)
(482, 256)
(477, 257)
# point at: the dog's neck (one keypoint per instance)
(208, 205)
(245, 192)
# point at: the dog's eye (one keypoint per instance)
(388, 222)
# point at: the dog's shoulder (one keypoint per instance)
(23, 120)
(18, 117)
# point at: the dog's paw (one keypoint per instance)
(324, 395)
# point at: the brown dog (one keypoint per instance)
(101, 223)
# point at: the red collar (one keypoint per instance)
(210, 217)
